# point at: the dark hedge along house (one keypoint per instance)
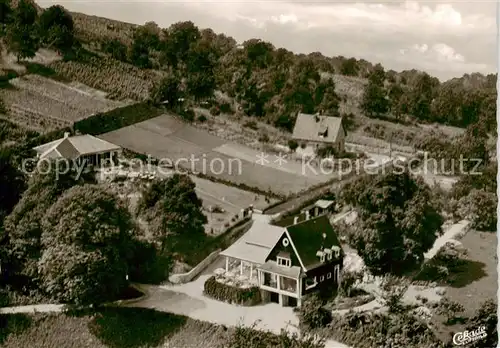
(287, 262)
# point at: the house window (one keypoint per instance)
(323, 258)
(322, 278)
(329, 256)
(329, 275)
(284, 262)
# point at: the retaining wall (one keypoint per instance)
(187, 277)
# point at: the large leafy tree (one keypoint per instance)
(56, 28)
(178, 40)
(23, 225)
(375, 100)
(397, 221)
(173, 208)
(168, 91)
(87, 237)
(22, 37)
(480, 207)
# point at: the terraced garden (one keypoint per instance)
(44, 104)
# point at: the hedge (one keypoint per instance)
(117, 118)
(231, 294)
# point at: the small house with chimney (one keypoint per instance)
(287, 262)
(80, 148)
(320, 130)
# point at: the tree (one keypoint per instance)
(25, 14)
(486, 316)
(350, 67)
(56, 28)
(173, 208)
(480, 207)
(116, 49)
(21, 33)
(23, 224)
(473, 146)
(449, 309)
(87, 238)
(422, 95)
(22, 41)
(12, 185)
(487, 181)
(139, 52)
(349, 279)
(397, 221)
(375, 100)
(393, 291)
(5, 12)
(312, 314)
(167, 91)
(71, 275)
(177, 42)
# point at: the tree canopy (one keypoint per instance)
(87, 235)
(23, 224)
(397, 221)
(56, 28)
(173, 208)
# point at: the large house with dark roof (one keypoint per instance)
(320, 130)
(287, 262)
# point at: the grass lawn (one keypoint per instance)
(108, 328)
(476, 281)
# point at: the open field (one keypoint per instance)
(44, 104)
(111, 328)
(186, 147)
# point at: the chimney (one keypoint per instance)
(66, 135)
(307, 215)
(295, 220)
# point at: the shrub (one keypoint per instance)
(383, 330)
(449, 309)
(293, 145)
(117, 118)
(187, 115)
(231, 294)
(480, 207)
(251, 125)
(264, 138)
(226, 108)
(202, 118)
(214, 110)
(312, 314)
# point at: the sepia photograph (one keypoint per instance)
(249, 174)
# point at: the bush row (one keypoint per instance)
(232, 294)
(117, 118)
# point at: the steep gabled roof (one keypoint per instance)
(309, 127)
(307, 238)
